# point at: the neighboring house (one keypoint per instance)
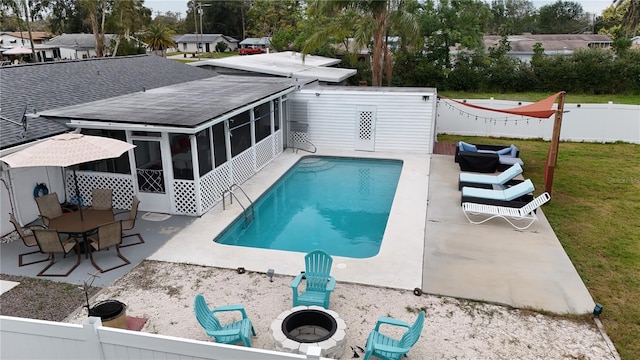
(21, 38)
(256, 43)
(282, 64)
(77, 46)
(44, 86)
(635, 42)
(204, 42)
(553, 44)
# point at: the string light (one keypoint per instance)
(489, 119)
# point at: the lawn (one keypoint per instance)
(595, 212)
(530, 96)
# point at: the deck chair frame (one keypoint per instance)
(509, 214)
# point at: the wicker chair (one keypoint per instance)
(101, 199)
(109, 235)
(130, 222)
(50, 243)
(28, 240)
(49, 207)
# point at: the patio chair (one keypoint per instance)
(101, 199)
(388, 348)
(513, 196)
(28, 240)
(510, 214)
(50, 243)
(319, 283)
(109, 235)
(130, 222)
(49, 207)
(239, 331)
(488, 181)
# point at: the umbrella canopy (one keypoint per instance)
(66, 150)
(20, 50)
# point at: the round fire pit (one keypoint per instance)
(303, 326)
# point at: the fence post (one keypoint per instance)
(313, 353)
(94, 346)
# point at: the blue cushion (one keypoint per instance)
(514, 151)
(467, 147)
(504, 151)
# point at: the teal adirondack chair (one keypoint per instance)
(239, 331)
(387, 348)
(319, 282)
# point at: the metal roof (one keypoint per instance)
(50, 85)
(185, 105)
(287, 64)
(192, 38)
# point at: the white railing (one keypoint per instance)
(39, 339)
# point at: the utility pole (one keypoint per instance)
(195, 21)
(201, 12)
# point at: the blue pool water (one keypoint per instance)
(339, 205)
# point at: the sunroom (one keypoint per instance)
(194, 141)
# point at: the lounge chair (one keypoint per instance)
(387, 348)
(486, 158)
(239, 331)
(319, 282)
(488, 181)
(29, 240)
(515, 196)
(510, 214)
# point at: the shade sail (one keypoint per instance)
(66, 150)
(541, 109)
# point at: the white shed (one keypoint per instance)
(377, 119)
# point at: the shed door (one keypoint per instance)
(365, 128)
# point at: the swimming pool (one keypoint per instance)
(340, 205)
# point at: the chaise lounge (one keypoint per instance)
(515, 196)
(510, 214)
(499, 182)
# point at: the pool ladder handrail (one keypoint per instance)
(247, 218)
(295, 148)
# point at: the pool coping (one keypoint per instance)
(401, 252)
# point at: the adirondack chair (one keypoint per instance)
(319, 282)
(239, 331)
(387, 348)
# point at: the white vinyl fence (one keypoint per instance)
(38, 339)
(580, 122)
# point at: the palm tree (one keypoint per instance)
(374, 20)
(159, 38)
(631, 20)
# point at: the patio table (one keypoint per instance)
(74, 224)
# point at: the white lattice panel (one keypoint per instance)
(212, 185)
(122, 186)
(243, 166)
(184, 197)
(299, 139)
(264, 152)
(278, 143)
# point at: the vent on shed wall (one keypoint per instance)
(365, 128)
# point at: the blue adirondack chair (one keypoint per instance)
(319, 282)
(239, 331)
(387, 348)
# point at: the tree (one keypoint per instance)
(222, 17)
(372, 25)
(562, 17)
(127, 17)
(631, 17)
(266, 17)
(512, 17)
(159, 38)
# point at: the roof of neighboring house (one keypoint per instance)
(263, 41)
(35, 35)
(550, 42)
(207, 38)
(185, 105)
(78, 41)
(50, 85)
(287, 64)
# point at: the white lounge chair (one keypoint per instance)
(526, 212)
(482, 180)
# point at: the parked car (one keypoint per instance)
(250, 51)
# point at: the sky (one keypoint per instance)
(162, 6)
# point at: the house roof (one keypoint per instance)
(78, 41)
(287, 64)
(50, 85)
(207, 38)
(35, 35)
(184, 105)
(263, 41)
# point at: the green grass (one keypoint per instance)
(530, 96)
(595, 212)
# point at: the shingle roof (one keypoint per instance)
(77, 40)
(192, 38)
(51, 85)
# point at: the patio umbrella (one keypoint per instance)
(67, 150)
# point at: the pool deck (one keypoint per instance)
(428, 244)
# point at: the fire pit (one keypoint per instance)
(303, 326)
